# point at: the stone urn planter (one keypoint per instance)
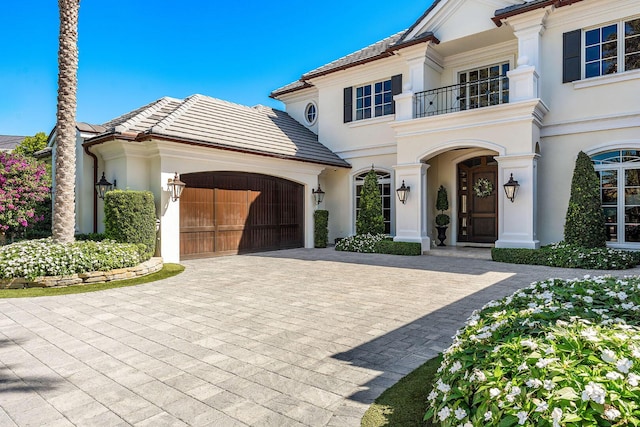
(442, 234)
(442, 219)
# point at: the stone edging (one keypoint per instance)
(151, 266)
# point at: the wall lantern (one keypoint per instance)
(511, 188)
(103, 186)
(318, 195)
(175, 187)
(403, 192)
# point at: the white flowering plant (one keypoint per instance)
(44, 257)
(558, 353)
(365, 243)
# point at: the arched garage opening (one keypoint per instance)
(225, 213)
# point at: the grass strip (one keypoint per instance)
(168, 270)
(404, 403)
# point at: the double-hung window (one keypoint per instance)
(372, 99)
(600, 51)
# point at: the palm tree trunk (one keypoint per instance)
(64, 212)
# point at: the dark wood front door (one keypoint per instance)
(477, 213)
(227, 213)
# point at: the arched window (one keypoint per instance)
(619, 172)
(384, 183)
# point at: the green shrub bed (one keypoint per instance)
(321, 230)
(130, 217)
(558, 353)
(569, 256)
(43, 257)
(377, 243)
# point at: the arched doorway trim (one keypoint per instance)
(462, 143)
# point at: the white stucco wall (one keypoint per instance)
(149, 165)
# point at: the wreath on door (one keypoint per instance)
(482, 188)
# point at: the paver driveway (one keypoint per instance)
(298, 337)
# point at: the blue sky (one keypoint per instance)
(135, 51)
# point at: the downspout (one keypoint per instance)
(95, 195)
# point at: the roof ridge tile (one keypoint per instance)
(143, 114)
(185, 105)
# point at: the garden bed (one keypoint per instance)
(151, 266)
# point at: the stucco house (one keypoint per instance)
(473, 93)
(10, 142)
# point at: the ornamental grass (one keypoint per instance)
(558, 353)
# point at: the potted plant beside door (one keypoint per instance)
(442, 219)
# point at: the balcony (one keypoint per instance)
(460, 97)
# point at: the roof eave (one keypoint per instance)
(109, 136)
(158, 136)
(497, 19)
(275, 94)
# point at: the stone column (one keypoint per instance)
(169, 223)
(517, 220)
(404, 103)
(411, 217)
(523, 81)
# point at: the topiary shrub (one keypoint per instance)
(370, 219)
(442, 204)
(585, 222)
(130, 217)
(321, 230)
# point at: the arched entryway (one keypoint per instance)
(234, 212)
(477, 184)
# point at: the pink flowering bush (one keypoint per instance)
(23, 185)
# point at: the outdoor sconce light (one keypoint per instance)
(175, 187)
(511, 188)
(103, 186)
(318, 195)
(403, 192)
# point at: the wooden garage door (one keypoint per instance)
(228, 213)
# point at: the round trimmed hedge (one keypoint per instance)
(558, 353)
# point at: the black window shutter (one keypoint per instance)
(348, 104)
(571, 56)
(396, 88)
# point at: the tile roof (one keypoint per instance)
(387, 46)
(375, 50)
(9, 142)
(378, 50)
(212, 122)
(89, 128)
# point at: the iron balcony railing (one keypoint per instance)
(463, 96)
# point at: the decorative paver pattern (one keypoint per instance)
(287, 338)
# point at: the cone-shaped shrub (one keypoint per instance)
(584, 225)
(370, 219)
